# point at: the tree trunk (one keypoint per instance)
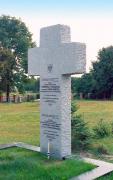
(7, 93)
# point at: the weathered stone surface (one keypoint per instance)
(55, 60)
(21, 145)
(54, 35)
(65, 58)
(55, 115)
(28, 146)
(4, 146)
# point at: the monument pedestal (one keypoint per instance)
(55, 101)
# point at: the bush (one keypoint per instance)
(74, 108)
(112, 127)
(81, 136)
(102, 129)
(101, 149)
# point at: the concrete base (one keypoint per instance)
(102, 169)
(21, 145)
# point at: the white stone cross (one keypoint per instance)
(55, 60)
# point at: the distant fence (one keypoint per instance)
(33, 97)
(19, 98)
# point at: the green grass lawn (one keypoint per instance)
(20, 122)
(19, 164)
(93, 111)
(107, 177)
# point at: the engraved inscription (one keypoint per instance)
(50, 88)
(50, 126)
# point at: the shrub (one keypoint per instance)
(102, 129)
(81, 136)
(74, 108)
(112, 127)
(101, 149)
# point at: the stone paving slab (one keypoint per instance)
(4, 146)
(21, 145)
(102, 169)
(28, 146)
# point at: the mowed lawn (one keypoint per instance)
(21, 164)
(20, 122)
(93, 111)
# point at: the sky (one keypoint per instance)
(91, 21)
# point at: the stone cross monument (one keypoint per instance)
(54, 61)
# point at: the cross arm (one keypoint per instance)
(68, 58)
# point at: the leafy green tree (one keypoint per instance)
(31, 84)
(99, 82)
(15, 36)
(103, 73)
(75, 83)
(7, 71)
(83, 85)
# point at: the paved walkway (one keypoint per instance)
(27, 146)
(21, 145)
(102, 167)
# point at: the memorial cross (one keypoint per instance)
(55, 61)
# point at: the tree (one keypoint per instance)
(7, 71)
(31, 84)
(103, 73)
(75, 83)
(83, 85)
(15, 36)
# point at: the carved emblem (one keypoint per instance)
(50, 67)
